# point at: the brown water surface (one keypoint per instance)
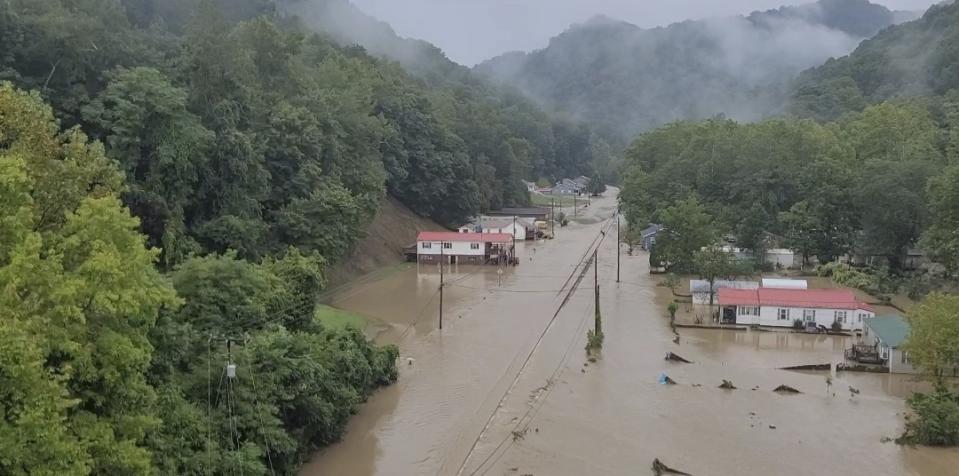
(506, 389)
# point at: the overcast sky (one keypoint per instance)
(470, 31)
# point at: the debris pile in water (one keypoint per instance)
(659, 469)
(786, 389)
(727, 385)
(676, 358)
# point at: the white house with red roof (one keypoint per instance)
(780, 307)
(463, 248)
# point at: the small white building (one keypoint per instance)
(781, 307)
(782, 258)
(701, 292)
(463, 248)
(515, 226)
(778, 283)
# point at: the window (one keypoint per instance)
(427, 245)
(809, 315)
(862, 316)
(748, 311)
(447, 245)
(783, 314)
(840, 316)
(474, 246)
(905, 357)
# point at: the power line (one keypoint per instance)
(585, 267)
(256, 408)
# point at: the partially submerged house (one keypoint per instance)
(564, 188)
(464, 248)
(521, 228)
(780, 307)
(881, 343)
(648, 235)
(701, 291)
(536, 213)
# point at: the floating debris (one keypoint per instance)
(809, 367)
(853, 391)
(675, 358)
(659, 469)
(676, 340)
(665, 380)
(772, 427)
(519, 434)
(727, 385)
(786, 389)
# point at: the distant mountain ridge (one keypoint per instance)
(623, 79)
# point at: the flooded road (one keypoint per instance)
(505, 387)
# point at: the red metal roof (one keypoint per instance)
(470, 237)
(809, 298)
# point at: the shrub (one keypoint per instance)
(797, 324)
(836, 326)
(935, 421)
(672, 308)
(671, 281)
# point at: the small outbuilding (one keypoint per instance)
(701, 291)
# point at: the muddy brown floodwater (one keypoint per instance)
(505, 388)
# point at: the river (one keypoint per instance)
(505, 387)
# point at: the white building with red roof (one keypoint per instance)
(781, 307)
(463, 248)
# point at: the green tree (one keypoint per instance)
(933, 342)
(940, 238)
(687, 229)
(712, 263)
(81, 288)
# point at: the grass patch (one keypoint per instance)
(334, 318)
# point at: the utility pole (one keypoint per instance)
(552, 217)
(442, 259)
(575, 211)
(513, 251)
(618, 244)
(598, 326)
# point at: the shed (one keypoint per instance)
(699, 288)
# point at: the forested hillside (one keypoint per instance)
(625, 80)
(253, 136)
(175, 177)
(876, 183)
(918, 58)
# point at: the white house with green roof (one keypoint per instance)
(887, 334)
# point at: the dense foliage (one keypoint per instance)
(864, 185)
(913, 59)
(625, 80)
(108, 366)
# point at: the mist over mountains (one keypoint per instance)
(622, 79)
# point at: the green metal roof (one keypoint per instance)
(892, 329)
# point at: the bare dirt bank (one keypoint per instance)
(393, 228)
